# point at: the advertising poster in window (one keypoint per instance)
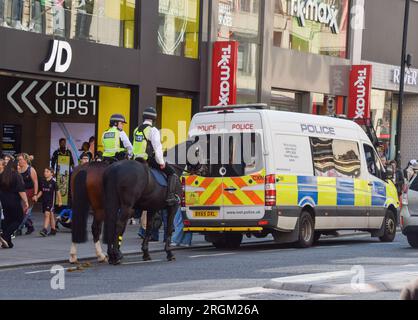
(63, 177)
(11, 139)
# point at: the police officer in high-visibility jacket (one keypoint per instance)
(115, 141)
(147, 147)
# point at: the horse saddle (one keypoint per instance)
(160, 177)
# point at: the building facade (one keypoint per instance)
(67, 65)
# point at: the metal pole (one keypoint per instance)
(402, 83)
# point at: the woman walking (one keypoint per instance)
(30, 179)
(12, 194)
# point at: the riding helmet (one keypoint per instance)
(115, 118)
(150, 113)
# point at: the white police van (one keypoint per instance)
(295, 176)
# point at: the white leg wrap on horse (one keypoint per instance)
(99, 252)
(73, 253)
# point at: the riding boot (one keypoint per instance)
(172, 198)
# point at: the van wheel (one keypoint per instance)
(306, 230)
(412, 239)
(228, 241)
(389, 227)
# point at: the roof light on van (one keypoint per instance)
(236, 106)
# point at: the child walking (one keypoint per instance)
(48, 191)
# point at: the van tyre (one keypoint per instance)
(228, 241)
(389, 226)
(306, 230)
(412, 239)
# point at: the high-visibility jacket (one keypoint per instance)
(142, 145)
(111, 142)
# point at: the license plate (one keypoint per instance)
(205, 213)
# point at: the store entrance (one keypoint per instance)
(36, 114)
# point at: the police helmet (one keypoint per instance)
(150, 113)
(115, 118)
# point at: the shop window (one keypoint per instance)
(284, 100)
(384, 112)
(306, 33)
(109, 22)
(239, 21)
(178, 32)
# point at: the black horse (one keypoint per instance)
(130, 185)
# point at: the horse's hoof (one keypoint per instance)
(146, 258)
(102, 259)
(74, 261)
(173, 258)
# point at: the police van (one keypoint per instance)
(295, 176)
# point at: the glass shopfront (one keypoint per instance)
(110, 22)
(317, 26)
(384, 112)
(178, 32)
(239, 20)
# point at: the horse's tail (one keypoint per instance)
(112, 205)
(80, 206)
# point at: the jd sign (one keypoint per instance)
(315, 10)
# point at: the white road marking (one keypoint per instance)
(211, 255)
(224, 294)
(140, 262)
(43, 271)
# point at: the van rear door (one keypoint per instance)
(244, 167)
(203, 192)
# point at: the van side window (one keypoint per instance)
(346, 158)
(322, 157)
(373, 164)
(335, 158)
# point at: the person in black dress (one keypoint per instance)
(12, 193)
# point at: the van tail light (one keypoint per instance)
(183, 192)
(270, 190)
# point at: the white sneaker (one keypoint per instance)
(5, 24)
(185, 245)
(173, 244)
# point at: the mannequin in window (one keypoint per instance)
(2, 15)
(85, 10)
(17, 14)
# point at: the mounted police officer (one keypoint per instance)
(147, 147)
(115, 141)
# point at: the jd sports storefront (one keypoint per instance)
(85, 84)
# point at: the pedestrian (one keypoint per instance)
(410, 169)
(1, 207)
(12, 194)
(30, 179)
(61, 151)
(159, 218)
(7, 158)
(180, 238)
(48, 191)
(92, 145)
(85, 148)
(84, 158)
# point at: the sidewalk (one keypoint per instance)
(354, 281)
(35, 249)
